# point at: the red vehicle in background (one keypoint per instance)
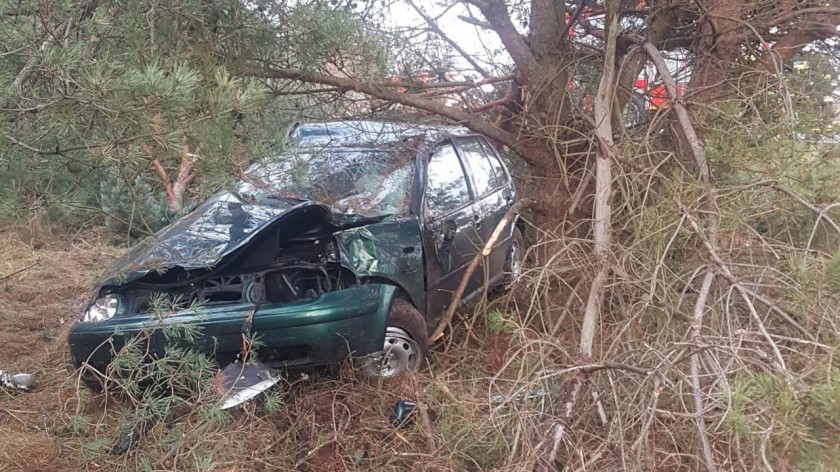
(651, 87)
(649, 94)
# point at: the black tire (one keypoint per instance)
(403, 315)
(517, 250)
(635, 112)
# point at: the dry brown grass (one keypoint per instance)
(37, 307)
(322, 424)
(513, 346)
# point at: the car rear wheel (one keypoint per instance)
(515, 260)
(406, 344)
(635, 111)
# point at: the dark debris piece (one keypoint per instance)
(403, 413)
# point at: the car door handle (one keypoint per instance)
(508, 195)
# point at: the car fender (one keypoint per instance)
(389, 251)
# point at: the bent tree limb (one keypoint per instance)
(446, 319)
(711, 237)
(540, 159)
(388, 94)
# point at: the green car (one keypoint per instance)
(349, 243)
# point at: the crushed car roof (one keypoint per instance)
(225, 222)
(364, 133)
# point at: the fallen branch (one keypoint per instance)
(426, 426)
(573, 387)
(603, 108)
(446, 320)
(390, 95)
(694, 369)
(743, 290)
(710, 236)
(603, 185)
(3, 277)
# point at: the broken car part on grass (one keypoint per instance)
(348, 244)
(21, 381)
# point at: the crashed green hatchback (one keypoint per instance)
(349, 243)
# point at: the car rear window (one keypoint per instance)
(498, 167)
(482, 172)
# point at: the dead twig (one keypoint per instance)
(742, 289)
(3, 277)
(710, 236)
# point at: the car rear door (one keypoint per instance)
(450, 237)
(493, 198)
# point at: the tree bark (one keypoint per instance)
(604, 101)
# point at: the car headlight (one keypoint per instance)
(103, 308)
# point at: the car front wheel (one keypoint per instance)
(406, 344)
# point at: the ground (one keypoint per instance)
(319, 424)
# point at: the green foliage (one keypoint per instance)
(214, 415)
(499, 322)
(833, 272)
(134, 83)
(802, 419)
(777, 137)
(319, 28)
(272, 401)
(127, 206)
(79, 424)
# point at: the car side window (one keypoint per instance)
(446, 188)
(498, 167)
(482, 171)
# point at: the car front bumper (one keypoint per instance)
(312, 332)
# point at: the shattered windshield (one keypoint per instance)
(362, 181)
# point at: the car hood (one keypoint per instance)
(201, 238)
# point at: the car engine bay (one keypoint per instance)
(297, 269)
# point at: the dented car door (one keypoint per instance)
(450, 233)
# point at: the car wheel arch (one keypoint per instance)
(401, 293)
(518, 223)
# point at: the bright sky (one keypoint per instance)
(478, 42)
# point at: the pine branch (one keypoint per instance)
(386, 93)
